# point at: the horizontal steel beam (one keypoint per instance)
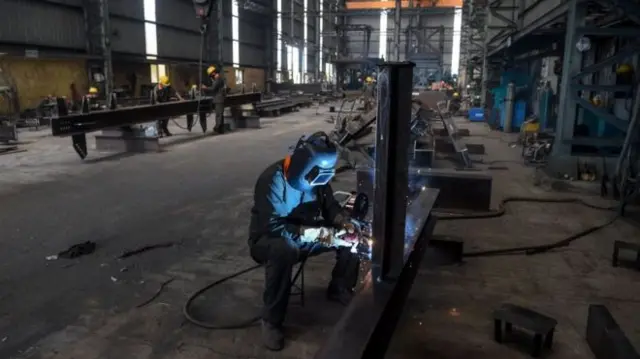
(614, 32)
(76, 124)
(544, 20)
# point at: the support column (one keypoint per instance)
(396, 30)
(97, 29)
(220, 33)
(485, 60)
(391, 172)
(560, 160)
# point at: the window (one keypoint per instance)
(279, 77)
(382, 46)
(455, 51)
(235, 33)
(296, 65)
(239, 76)
(290, 61)
(150, 31)
(157, 70)
(279, 35)
(305, 33)
(321, 45)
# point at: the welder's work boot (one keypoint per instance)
(272, 336)
(339, 294)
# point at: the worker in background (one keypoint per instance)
(217, 89)
(456, 102)
(293, 206)
(368, 93)
(164, 92)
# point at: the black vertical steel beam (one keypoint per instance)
(395, 81)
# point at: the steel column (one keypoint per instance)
(391, 172)
(485, 61)
(220, 33)
(571, 64)
(396, 30)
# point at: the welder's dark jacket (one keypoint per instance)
(164, 93)
(217, 88)
(280, 211)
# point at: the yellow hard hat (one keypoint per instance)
(211, 70)
(455, 94)
(596, 100)
(369, 79)
(93, 90)
(164, 80)
(624, 69)
(194, 86)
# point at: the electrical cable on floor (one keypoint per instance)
(528, 250)
(244, 324)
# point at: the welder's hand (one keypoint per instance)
(325, 236)
(317, 234)
(349, 227)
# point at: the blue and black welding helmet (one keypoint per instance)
(312, 162)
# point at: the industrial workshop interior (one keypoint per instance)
(327, 179)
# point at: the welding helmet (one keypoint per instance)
(312, 162)
(164, 80)
(93, 90)
(211, 70)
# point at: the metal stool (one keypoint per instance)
(297, 286)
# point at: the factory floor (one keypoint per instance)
(198, 195)
(449, 310)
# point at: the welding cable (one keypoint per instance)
(529, 250)
(241, 325)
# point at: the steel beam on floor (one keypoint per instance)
(402, 226)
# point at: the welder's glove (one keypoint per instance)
(317, 234)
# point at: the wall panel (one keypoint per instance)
(252, 56)
(253, 75)
(177, 13)
(127, 36)
(40, 23)
(60, 74)
(129, 8)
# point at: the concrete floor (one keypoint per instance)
(199, 194)
(448, 314)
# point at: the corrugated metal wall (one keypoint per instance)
(59, 24)
(54, 24)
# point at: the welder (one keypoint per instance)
(164, 92)
(293, 209)
(218, 90)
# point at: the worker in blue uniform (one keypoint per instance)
(294, 208)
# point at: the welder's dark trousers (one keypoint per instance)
(219, 109)
(163, 127)
(280, 255)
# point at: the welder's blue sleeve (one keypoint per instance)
(278, 224)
